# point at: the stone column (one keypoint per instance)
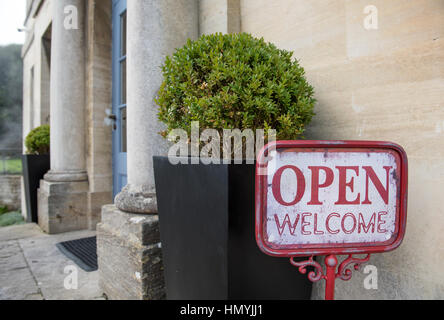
(62, 193)
(67, 102)
(219, 16)
(129, 229)
(155, 29)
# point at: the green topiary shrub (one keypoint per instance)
(235, 81)
(37, 141)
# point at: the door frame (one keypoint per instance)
(119, 161)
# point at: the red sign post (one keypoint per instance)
(330, 198)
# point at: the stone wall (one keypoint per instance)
(36, 70)
(10, 191)
(129, 256)
(377, 84)
(36, 55)
(98, 102)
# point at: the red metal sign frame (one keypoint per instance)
(329, 249)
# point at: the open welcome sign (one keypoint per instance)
(330, 197)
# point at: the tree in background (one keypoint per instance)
(11, 86)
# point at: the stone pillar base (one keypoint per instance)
(62, 206)
(129, 255)
(95, 203)
(137, 199)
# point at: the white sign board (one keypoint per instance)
(330, 198)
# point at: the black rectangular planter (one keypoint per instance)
(206, 216)
(34, 168)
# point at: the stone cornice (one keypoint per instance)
(33, 9)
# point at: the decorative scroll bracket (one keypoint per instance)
(331, 261)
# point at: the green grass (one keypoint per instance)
(11, 166)
(11, 218)
(3, 209)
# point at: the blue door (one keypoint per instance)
(119, 96)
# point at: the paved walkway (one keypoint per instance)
(32, 268)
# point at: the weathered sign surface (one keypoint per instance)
(330, 197)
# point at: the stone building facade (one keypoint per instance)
(92, 70)
(10, 192)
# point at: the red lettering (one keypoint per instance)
(343, 185)
(276, 185)
(315, 183)
(371, 175)
(380, 221)
(327, 222)
(287, 222)
(371, 223)
(305, 223)
(343, 223)
(316, 231)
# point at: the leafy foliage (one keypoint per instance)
(235, 81)
(11, 166)
(11, 218)
(11, 78)
(3, 209)
(37, 141)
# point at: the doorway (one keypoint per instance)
(119, 96)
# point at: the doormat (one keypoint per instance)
(82, 251)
